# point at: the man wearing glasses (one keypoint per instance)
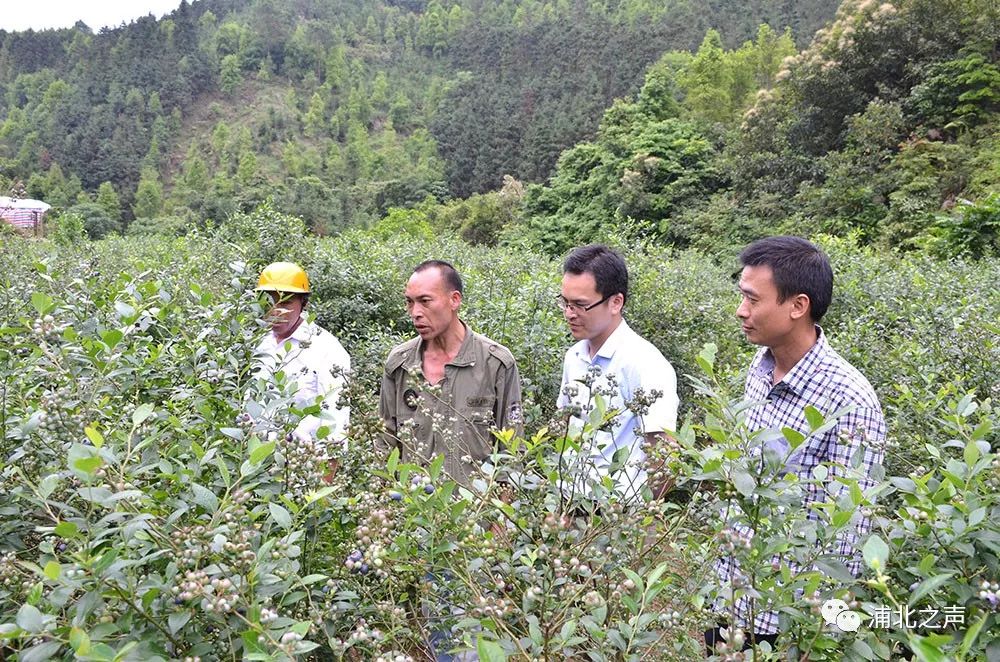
(613, 362)
(445, 390)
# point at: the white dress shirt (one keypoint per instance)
(308, 358)
(635, 363)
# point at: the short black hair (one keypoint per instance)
(798, 267)
(606, 265)
(448, 271)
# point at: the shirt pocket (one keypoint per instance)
(477, 422)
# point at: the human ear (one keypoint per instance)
(801, 306)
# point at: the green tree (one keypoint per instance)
(336, 67)
(107, 198)
(148, 195)
(96, 221)
(230, 75)
(707, 82)
(315, 119)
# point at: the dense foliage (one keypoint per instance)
(338, 109)
(152, 507)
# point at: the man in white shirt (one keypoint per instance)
(614, 362)
(307, 354)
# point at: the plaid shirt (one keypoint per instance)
(823, 379)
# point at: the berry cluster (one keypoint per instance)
(61, 417)
(990, 592)
(218, 594)
(46, 329)
(304, 464)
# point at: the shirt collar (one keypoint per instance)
(611, 345)
(801, 373)
(302, 333)
(465, 356)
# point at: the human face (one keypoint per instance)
(285, 313)
(431, 303)
(596, 324)
(766, 320)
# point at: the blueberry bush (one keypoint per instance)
(153, 506)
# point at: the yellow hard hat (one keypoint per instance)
(283, 277)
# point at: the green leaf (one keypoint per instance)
(490, 651)
(862, 649)
(112, 337)
(250, 642)
(971, 453)
(224, 471)
(794, 437)
(141, 413)
(393, 460)
(928, 585)
(814, 417)
(178, 620)
(435, 468)
(312, 579)
(42, 303)
(95, 437)
(706, 359)
(124, 310)
(79, 641)
(971, 635)
(925, 650)
(88, 465)
(52, 570)
(875, 552)
(30, 619)
(40, 653)
(281, 516)
(65, 529)
(744, 482)
(841, 517)
(262, 452)
(205, 497)
(106, 560)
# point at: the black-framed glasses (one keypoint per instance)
(578, 308)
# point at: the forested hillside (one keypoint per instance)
(340, 110)
(885, 127)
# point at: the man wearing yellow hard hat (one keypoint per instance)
(306, 353)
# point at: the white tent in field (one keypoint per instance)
(23, 213)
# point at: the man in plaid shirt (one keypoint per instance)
(786, 285)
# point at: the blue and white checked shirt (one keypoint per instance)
(823, 379)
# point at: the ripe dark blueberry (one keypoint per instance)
(178, 601)
(364, 568)
(429, 489)
(241, 611)
(395, 496)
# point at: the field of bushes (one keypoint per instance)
(150, 507)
